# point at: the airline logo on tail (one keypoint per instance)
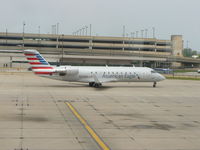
(38, 64)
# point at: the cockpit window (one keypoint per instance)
(153, 71)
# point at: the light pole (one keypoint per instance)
(57, 28)
(83, 29)
(52, 26)
(39, 36)
(146, 31)
(131, 34)
(6, 36)
(124, 30)
(39, 30)
(142, 31)
(62, 47)
(137, 34)
(86, 27)
(54, 29)
(153, 29)
(23, 33)
(90, 29)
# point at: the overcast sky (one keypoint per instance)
(106, 16)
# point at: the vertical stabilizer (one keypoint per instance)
(38, 64)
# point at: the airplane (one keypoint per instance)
(94, 75)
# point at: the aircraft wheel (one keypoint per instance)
(91, 84)
(154, 84)
(97, 85)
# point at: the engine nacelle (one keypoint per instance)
(67, 71)
(72, 71)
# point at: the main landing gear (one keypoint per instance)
(154, 84)
(96, 85)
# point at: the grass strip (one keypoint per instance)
(183, 78)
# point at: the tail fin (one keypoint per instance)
(38, 64)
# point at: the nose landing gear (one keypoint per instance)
(154, 84)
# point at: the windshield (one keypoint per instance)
(153, 71)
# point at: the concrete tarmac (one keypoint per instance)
(126, 116)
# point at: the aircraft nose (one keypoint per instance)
(161, 77)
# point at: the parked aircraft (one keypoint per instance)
(94, 75)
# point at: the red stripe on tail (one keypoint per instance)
(50, 73)
(35, 63)
(29, 54)
(42, 67)
(32, 58)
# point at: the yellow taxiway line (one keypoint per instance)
(98, 140)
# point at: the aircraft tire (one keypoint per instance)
(154, 84)
(91, 84)
(97, 85)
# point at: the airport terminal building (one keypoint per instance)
(91, 49)
(54, 43)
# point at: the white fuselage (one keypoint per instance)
(105, 74)
(93, 75)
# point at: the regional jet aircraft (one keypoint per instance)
(93, 75)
